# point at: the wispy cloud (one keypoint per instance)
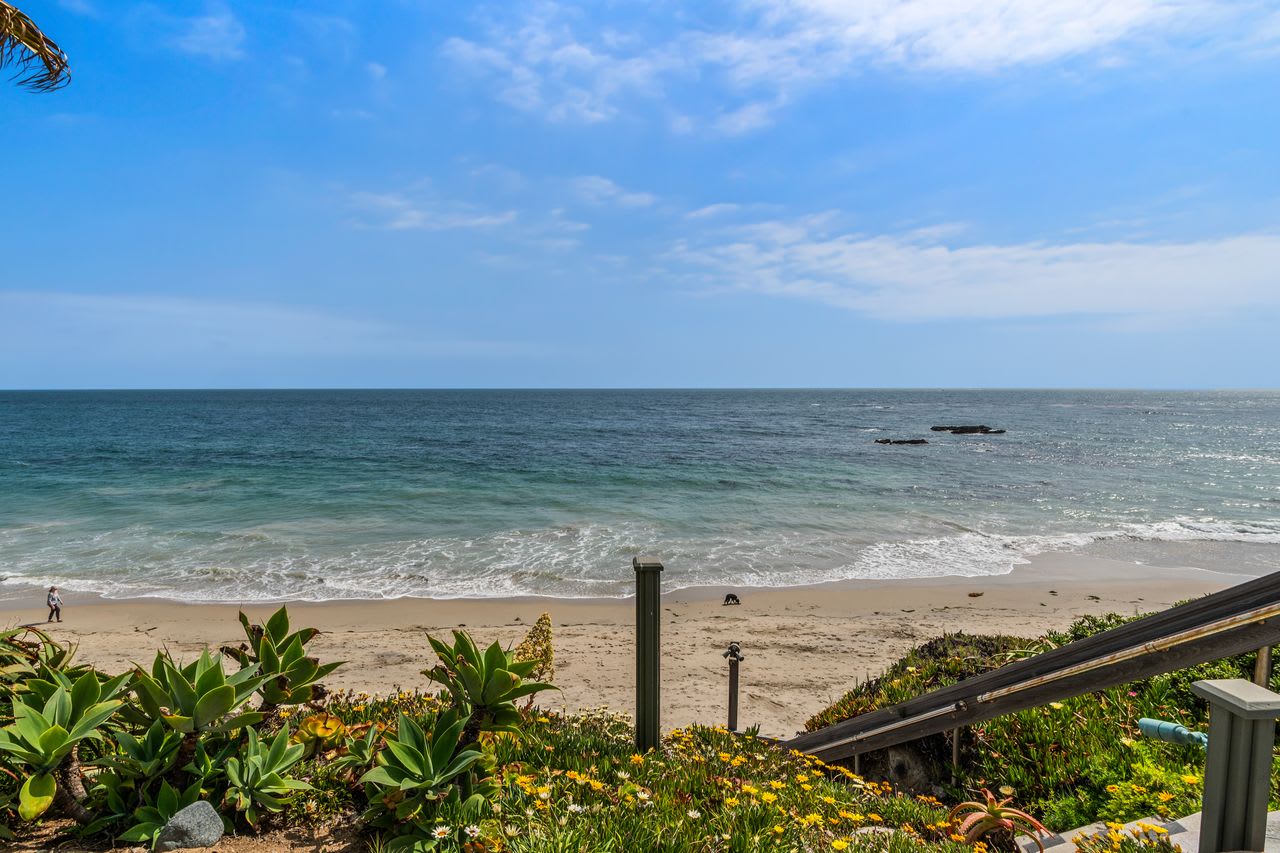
(556, 61)
(400, 212)
(217, 34)
(594, 189)
(928, 274)
(137, 327)
(79, 7)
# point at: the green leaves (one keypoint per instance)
(197, 697)
(289, 675)
(36, 795)
(484, 684)
(256, 778)
(418, 772)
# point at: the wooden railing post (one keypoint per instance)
(1237, 772)
(648, 652)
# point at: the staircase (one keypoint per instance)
(1185, 832)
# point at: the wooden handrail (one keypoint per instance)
(1235, 620)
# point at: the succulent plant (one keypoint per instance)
(290, 676)
(978, 819)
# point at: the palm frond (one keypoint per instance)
(41, 65)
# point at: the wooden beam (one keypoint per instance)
(1235, 600)
(970, 711)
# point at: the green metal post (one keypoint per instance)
(648, 672)
(1237, 773)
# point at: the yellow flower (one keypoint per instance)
(839, 844)
(776, 785)
(779, 829)
(730, 801)
(1164, 796)
(1190, 780)
(768, 797)
(637, 759)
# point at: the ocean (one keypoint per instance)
(243, 496)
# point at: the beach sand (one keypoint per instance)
(804, 646)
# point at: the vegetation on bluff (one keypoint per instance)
(1069, 763)
(473, 768)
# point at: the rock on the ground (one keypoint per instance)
(197, 825)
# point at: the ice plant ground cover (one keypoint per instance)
(574, 782)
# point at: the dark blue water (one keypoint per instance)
(244, 495)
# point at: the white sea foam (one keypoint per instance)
(566, 561)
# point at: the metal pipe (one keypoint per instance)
(1171, 732)
(1257, 615)
(734, 654)
(648, 675)
(955, 755)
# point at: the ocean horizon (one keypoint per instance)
(328, 494)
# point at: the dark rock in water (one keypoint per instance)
(968, 429)
(902, 441)
(197, 825)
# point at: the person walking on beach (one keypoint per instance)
(55, 604)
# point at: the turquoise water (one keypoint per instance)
(318, 495)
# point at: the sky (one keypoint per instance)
(763, 193)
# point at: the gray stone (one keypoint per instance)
(197, 825)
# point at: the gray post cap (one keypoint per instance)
(646, 564)
(1243, 698)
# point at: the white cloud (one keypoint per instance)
(218, 34)
(557, 63)
(921, 276)
(121, 327)
(399, 212)
(713, 210)
(376, 70)
(594, 189)
(80, 7)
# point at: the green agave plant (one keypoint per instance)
(50, 719)
(255, 779)
(485, 684)
(128, 774)
(415, 774)
(199, 697)
(25, 652)
(150, 819)
(291, 677)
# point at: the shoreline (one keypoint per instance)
(804, 645)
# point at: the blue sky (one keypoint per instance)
(763, 193)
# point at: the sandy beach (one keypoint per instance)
(804, 646)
